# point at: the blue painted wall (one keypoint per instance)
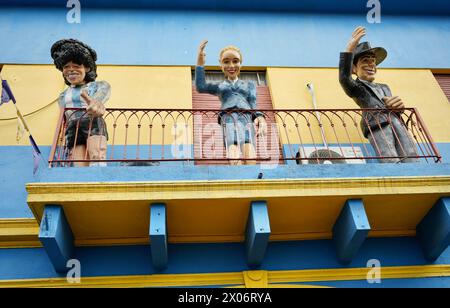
(169, 37)
(16, 169)
(318, 6)
(16, 165)
(289, 33)
(214, 258)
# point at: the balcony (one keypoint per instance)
(313, 176)
(161, 136)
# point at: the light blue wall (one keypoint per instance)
(309, 35)
(152, 37)
(16, 169)
(418, 7)
(216, 258)
(16, 165)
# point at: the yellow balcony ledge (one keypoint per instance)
(114, 213)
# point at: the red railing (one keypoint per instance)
(152, 136)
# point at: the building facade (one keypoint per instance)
(182, 216)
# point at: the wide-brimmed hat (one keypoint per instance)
(365, 48)
(66, 50)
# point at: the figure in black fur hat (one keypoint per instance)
(385, 129)
(86, 133)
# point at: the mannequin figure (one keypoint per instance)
(238, 126)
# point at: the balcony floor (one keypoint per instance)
(215, 210)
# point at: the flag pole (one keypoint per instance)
(36, 149)
(11, 96)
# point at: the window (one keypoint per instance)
(444, 82)
(258, 77)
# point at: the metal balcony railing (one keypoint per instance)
(156, 136)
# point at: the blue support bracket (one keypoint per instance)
(158, 235)
(257, 233)
(433, 232)
(56, 237)
(350, 229)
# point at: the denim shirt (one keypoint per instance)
(240, 95)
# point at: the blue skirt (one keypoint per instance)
(237, 128)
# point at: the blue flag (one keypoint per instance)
(5, 96)
(6, 93)
(36, 155)
(8, 96)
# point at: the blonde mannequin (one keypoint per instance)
(239, 132)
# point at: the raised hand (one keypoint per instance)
(393, 102)
(201, 53)
(94, 108)
(357, 34)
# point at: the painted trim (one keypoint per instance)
(294, 286)
(246, 278)
(19, 233)
(391, 272)
(26, 236)
(256, 279)
(285, 286)
(42, 193)
(182, 190)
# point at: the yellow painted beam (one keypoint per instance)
(219, 189)
(216, 211)
(27, 237)
(256, 279)
(392, 272)
(261, 278)
(19, 233)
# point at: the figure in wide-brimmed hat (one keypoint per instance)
(385, 130)
(238, 126)
(86, 133)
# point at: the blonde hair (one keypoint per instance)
(230, 47)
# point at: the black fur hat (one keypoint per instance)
(64, 51)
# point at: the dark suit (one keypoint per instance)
(364, 95)
(384, 129)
